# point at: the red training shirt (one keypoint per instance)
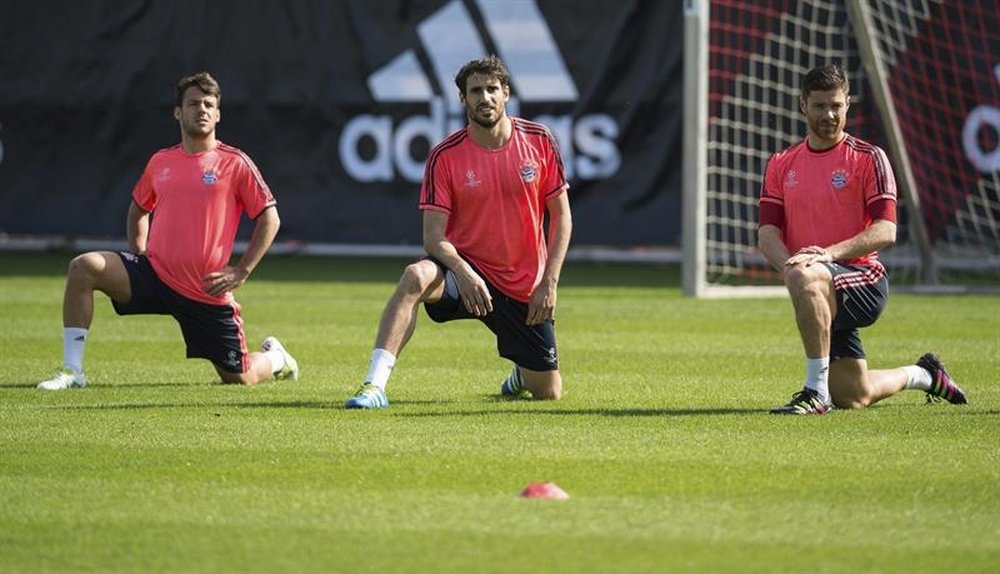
(495, 201)
(196, 201)
(824, 197)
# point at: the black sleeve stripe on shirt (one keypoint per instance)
(535, 128)
(431, 183)
(879, 160)
(764, 195)
(256, 175)
(555, 192)
(247, 162)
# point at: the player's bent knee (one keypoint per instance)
(100, 270)
(245, 379)
(799, 277)
(850, 387)
(851, 401)
(85, 266)
(417, 277)
(544, 385)
(552, 393)
(849, 404)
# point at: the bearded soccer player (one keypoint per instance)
(178, 262)
(484, 197)
(828, 204)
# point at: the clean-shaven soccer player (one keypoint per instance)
(828, 204)
(178, 263)
(484, 197)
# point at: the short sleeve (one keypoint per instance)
(436, 189)
(555, 174)
(144, 192)
(251, 188)
(771, 191)
(880, 182)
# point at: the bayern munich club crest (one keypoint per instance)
(529, 170)
(839, 179)
(209, 177)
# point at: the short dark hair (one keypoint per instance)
(824, 79)
(203, 81)
(490, 66)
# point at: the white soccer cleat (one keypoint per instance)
(291, 369)
(62, 380)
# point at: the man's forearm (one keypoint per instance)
(560, 230)
(879, 235)
(772, 247)
(264, 232)
(137, 228)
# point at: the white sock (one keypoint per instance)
(818, 377)
(918, 378)
(380, 367)
(277, 359)
(74, 343)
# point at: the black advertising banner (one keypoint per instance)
(338, 103)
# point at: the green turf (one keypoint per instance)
(663, 440)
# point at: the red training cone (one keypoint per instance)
(544, 490)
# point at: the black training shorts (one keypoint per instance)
(861, 292)
(530, 346)
(213, 332)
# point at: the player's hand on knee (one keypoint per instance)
(541, 307)
(475, 295)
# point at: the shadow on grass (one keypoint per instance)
(623, 412)
(324, 405)
(203, 405)
(339, 405)
(99, 386)
(335, 403)
(542, 410)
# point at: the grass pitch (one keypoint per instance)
(663, 440)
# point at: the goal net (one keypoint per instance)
(925, 82)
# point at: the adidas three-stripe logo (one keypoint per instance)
(379, 146)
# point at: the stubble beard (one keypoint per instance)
(196, 131)
(487, 122)
(827, 131)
